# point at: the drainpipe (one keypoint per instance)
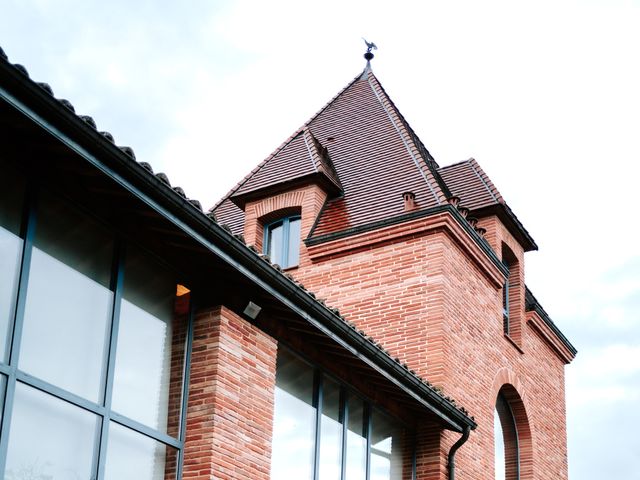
(451, 465)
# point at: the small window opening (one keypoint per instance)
(282, 241)
(506, 444)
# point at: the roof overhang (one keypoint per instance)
(509, 219)
(317, 178)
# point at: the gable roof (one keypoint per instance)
(300, 157)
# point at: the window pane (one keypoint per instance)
(294, 420)
(356, 461)
(145, 352)
(386, 448)
(133, 456)
(294, 243)
(49, 439)
(11, 198)
(331, 432)
(498, 438)
(68, 300)
(274, 241)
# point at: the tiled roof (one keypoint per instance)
(300, 156)
(375, 154)
(468, 181)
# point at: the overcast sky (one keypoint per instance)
(545, 95)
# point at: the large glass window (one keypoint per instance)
(50, 438)
(323, 431)
(282, 241)
(142, 377)
(95, 379)
(69, 301)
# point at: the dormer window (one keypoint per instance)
(282, 241)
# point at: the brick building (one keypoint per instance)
(317, 323)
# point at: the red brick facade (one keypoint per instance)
(231, 392)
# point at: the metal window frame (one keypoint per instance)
(284, 250)
(346, 393)
(102, 410)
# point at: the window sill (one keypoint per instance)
(513, 342)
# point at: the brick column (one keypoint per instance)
(230, 405)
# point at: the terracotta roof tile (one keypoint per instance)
(374, 154)
(469, 182)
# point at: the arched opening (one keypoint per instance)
(512, 437)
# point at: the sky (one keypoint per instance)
(544, 95)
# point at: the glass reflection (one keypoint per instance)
(68, 305)
(356, 461)
(133, 456)
(386, 448)
(11, 198)
(498, 437)
(294, 420)
(330, 432)
(142, 379)
(293, 254)
(50, 439)
(275, 243)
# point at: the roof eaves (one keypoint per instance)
(532, 304)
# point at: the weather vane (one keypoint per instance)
(370, 46)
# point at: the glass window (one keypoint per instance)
(131, 455)
(11, 200)
(49, 438)
(386, 448)
(507, 456)
(145, 351)
(356, 460)
(330, 432)
(69, 303)
(294, 420)
(282, 241)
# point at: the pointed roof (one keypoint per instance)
(370, 152)
(362, 147)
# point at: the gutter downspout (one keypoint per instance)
(451, 460)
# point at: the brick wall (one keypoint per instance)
(231, 393)
(429, 299)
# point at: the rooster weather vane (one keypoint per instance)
(370, 46)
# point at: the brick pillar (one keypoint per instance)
(430, 456)
(230, 405)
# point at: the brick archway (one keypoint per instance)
(518, 453)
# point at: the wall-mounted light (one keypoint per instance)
(252, 310)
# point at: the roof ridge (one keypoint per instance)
(460, 162)
(431, 176)
(312, 147)
(486, 180)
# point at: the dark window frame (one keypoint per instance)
(286, 233)
(347, 392)
(102, 408)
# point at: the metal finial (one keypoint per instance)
(370, 46)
